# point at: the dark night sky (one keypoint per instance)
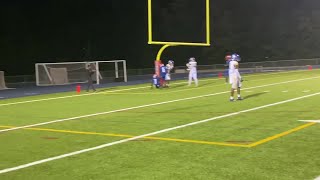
(71, 30)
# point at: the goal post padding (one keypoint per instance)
(77, 72)
(2, 81)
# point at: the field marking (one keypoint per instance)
(79, 95)
(311, 121)
(129, 93)
(181, 90)
(281, 134)
(150, 134)
(197, 141)
(317, 178)
(162, 91)
(63, 97)
(184, 140)
(88, 94)
(147, 105)
(72, 132)
(129, 136)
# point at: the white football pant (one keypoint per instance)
(193, 75)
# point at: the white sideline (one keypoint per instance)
(142, 106)
(318, 178)
(79, 95)
(63, 97)
(149, 134)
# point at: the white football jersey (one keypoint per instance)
(169, 68)
(192, 65)
(234, 75)
(232, 67)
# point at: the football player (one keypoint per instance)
(235, 78)
(235, 57)
(192, 67)
(169, 67)
(155, 81)
(163, 72)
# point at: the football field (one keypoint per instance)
(181, 132)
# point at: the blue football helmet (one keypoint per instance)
(235, 57)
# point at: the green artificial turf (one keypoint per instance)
(191, 152)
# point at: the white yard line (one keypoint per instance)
(311, 121)
(183, 90)
(143, 106)
(149, 134)
(79, 95)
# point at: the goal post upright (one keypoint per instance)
(125, 71)
(37, 74)
(149, 21)
(167, 44)
(117, 69)
(208, 22)
(97, 73)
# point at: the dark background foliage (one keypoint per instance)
(74, 30)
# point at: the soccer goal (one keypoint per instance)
(64, 73)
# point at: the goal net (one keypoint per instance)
(64, 73)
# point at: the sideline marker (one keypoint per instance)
(78, 89)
